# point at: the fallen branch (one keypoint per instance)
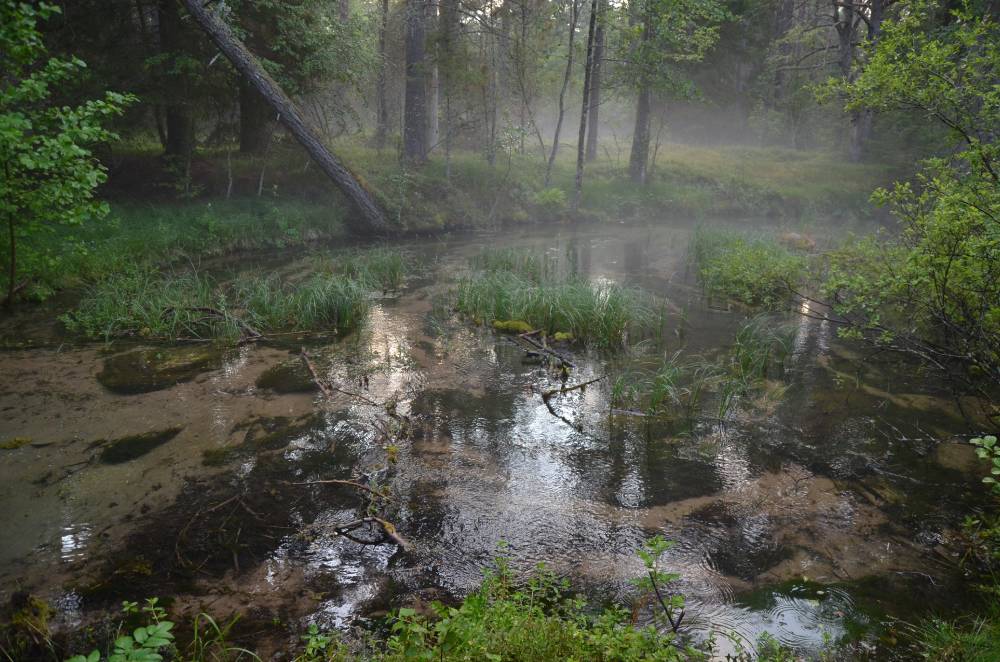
(527, 337)
(328, 389)
(349, 483)
(247, 332)
(566, 389)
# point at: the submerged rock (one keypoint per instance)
(288, 377)
(153, 369)
(137, 445)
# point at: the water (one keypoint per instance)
(812, 517)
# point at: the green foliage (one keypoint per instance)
(141, 301)
(533, 622)
(605, 314)
(987, 449)
(144, 644)
(49, 173)
(378, 268)
(754, 270)
(934, 288)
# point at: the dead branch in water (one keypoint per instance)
(327, 388)
(387, 528)
(349, 483)
(566, 389)
(527, 337)
(247, 332)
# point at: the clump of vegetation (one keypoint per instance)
(676, 388)
(755, 270)
(141, 301)
(604, 314)
(514, 288)
(377, 268)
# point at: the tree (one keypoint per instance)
(665, 33)
(934, 291)
(354, 189)
(49, 172)
(416, 122)
(585, 106)
(573, 18)
(594, 98)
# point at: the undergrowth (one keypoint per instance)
(142, 301)
(753, 269)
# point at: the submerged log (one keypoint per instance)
(289, 115)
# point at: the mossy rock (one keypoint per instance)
(511, 326)
(137, 445)
(563, 336)
(287, 377)
(154, 369)
(14, 443)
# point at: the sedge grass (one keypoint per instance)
(141, 301)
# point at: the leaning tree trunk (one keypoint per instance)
(292, 118)
(595, 83)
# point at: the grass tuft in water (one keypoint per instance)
(753, 269)
(513, 286)
(141, 301)
(604, 314)
(382, 269)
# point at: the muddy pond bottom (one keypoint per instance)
(195, 472)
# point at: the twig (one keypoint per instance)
(527, 337)
(566, 389)
(349, 483)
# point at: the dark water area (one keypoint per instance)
(815, 515)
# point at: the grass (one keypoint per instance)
(166, 232)
(142, 301)
(974, 639)
(604, 314)
(676, 388)
(299, 206)
(377, 268)
(755, 270)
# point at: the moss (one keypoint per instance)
(511, 326)
(562, 336)
(15, 443)
(134, 446)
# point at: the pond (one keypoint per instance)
(132, 470)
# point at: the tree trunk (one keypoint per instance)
(639, 157)
(584, 106)
(255, 115)
(595, 83)
(245, 63)
(344, 10)
(562, 93)
(179, 118)
(382, 100)
(415, 124)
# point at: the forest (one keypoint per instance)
(512, 330)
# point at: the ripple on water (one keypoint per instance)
(802, 615)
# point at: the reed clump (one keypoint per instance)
(516, 287)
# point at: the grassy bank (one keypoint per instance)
(225, 202)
